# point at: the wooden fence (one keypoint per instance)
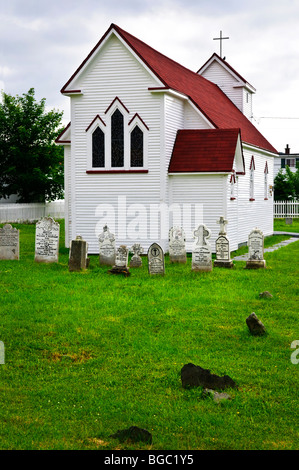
(19, 213)
(286, 209)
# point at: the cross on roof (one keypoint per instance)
(220, 39)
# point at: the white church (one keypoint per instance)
(152, 144)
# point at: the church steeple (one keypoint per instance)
(238, 90)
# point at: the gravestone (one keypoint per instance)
(9, 243)
(156, 264)
(121, 261)
(106, 247)
(202, 252)
(255, 250)
(177, 248)
(78, 255)
(136, 261)
(288, 220)
(46, 241)
(222, 247)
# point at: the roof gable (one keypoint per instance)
(205, 95)
(207, 151)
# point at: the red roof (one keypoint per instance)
(204, 150)
(206, 96)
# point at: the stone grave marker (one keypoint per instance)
(156, 264)
(121, 261)
(47, 241)
(255, 250)
(106, 247)
(202, 252)
(136, 261)
(222, 247)
(78, 260)
(9, 243)
(177, 248)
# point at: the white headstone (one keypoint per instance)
(136, 261)
(9, 243)
(177, 248)
(107, 247)
(255, 250)
(202, 252)
(222, 247)
(47, 241)
(155, 256)
(121, 257)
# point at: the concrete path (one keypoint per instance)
(294, 238)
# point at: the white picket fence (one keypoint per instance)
(19, 213)
(286, 209)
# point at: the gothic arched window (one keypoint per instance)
(98, 148)
(136, 147)
(117, 139)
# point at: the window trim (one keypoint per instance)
(266, 172)
(96, 122)
(251, 179)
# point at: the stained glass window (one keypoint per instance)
(117, 139)
(136, 147)
(98, 148)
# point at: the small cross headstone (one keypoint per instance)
(9, 243)
(177, 249)
(106, 247)
(78, 254)
(202, 252)
(255, 250)
(156, 264)
(136, 261)
(47, 241)
(222, 247)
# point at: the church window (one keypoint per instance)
(117, 139)
(232, 186)
(266, 182)
(136, 147)
(251, 180)
(98, 148)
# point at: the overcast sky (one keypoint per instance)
(42, 42)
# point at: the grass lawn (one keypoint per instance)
(281, 226)
(87, 354)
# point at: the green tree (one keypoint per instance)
(31, 164)
(286, 185)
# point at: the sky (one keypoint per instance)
(43, 42)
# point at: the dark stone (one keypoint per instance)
(266, 295)
(120, 270)
(255, 325)
(196, 376)
(133, 434)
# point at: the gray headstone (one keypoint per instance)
(255, 250)
(9, 243)
(107, 247)
(202, 252)
(177, 248)
(156, 264)
(136, 261)
(78, 254)
(47, 241)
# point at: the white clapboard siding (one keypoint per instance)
(216, 73)
(204, 194)
(114, 73)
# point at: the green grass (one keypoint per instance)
(280, 226)
(89, 353)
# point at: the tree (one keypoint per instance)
(31, 164)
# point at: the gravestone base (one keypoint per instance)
(255, 264)
(178, 259)
(120, 270)
(135, 262)
(223, 264)
(206, 268)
